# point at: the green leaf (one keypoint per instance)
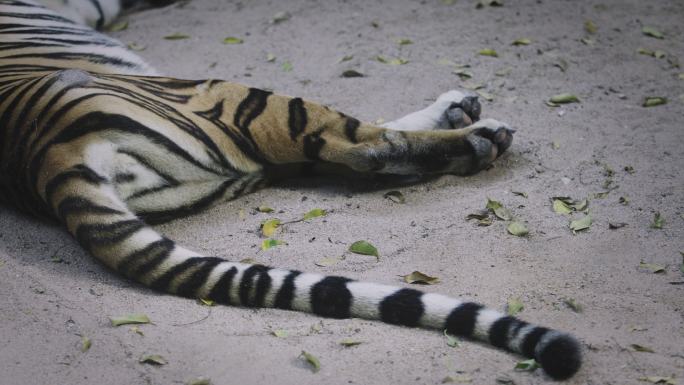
(658, 221)
(232, 40)
(420, 278)
(199, 381)
(522, 41)
(590, 27)
(564, 98)
(154, 359)
(518, 229)
(270, 57)
(573, 304)
(269, 243)
(350, 342)
(363, 247)
(652, 267)
(86, 343)
(404, 41)
(314, 213)
(520, 193)
(395, 196)
(269, 227)
(527, 365)
(652, 101)
(452, 341)
(352, 74)
(176, 36)
(264, 209)
(659, 380)
(116, 27)
(514, 306)
(280, 333)
(136, 47)
(560, 207)
(652, 32)
(641, 348)
(580, 224)
(312, 360)
(129, 319)
(503, 213)
(286, 66)
(492, 204)
(280, 17)
(488, 52)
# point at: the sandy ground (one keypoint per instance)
(52, 293)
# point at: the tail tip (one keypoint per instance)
(560, 356)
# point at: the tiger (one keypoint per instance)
(92, 136)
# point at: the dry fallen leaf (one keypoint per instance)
(269, 227)
(518, 229)
(154, 359)
(420, 278)
(514, 306)
(350, 342)
(129, 319)
(312, 360)
(488, 52)
(641, 348)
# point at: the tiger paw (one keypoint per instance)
(458, 109)
(488, 138)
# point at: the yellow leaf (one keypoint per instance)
(269, 227)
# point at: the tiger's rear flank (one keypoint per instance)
(90, 137)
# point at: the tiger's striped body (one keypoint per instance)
(89, 137)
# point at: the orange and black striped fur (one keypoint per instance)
(91, 136)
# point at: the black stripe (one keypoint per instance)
(162, 283)
(404, 307)
(249, 109)
(313, 143)
(140, 262)
(331, 298)
(154, 217)
(531, 340)
(351, 125)
(262, 285)
(100, 15)
(498, 332)
(244, 144)
(461, 320)
(79, 205)
(285, 295)
(198, 278)
(80, 172)
(100, 234)
(221, 290)
(297, 119)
